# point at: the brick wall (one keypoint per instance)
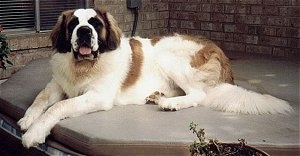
(25, 48)
(153, 16)
(269, 27)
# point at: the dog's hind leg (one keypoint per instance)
(47, 97)
(192, 80)
(183, 76)
(176, 103)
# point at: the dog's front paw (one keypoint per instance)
(167, 106)
(155, 97)
(26, 122)
(32, 138)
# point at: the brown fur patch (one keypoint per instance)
(112, 33)
(136, 64)
(154, 40)
(211, 52)
(84, 67)
(59, 35)
(101, 16)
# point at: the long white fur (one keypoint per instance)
(231, 98)
(166, 68)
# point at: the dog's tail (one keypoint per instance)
(231, 98)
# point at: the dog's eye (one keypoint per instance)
(72, 24)
(95, 23)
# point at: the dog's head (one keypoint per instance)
(86, 33)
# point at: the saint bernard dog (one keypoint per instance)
(96, 67)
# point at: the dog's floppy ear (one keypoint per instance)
(59, 37)
(113, 32)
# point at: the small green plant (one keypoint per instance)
(4, 50)
(214, 148)
(200, 146)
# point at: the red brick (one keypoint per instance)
(231, 46)
(158, 24)
(203, 17)
(202, 1)
(151, 16)
(217, 8)
(276, 21)
(174, 23)
(199, 32)
(192, 16)
(174, 6)
(189, 24)
(274, 41)
(128, 26)
(293, 43)
(254, 30)
(206, 7)
(250, 39)
(206, 26)
(128, 18)
(178, 30)
(211, 26)
(292, 11)
(218, 17)
(295, 22)
(161, 7)
(248, 19)
(184, 15)
(230, 28)
(241, 28)
(276, 2)
(249, 1)
(217, 36)
(173, 15)
(295, 2)
(256, 9)
(271, 31)
(243, 9)
(143, 25)
(222, 1)
(288, 32)
(164, 15)
(228, 37)
(270, 10)
(163, 31)
(191, 7)
(230, 9)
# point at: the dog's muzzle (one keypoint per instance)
(84, 50)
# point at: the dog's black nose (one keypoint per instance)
(84, 30)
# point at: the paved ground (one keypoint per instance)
(276, 77)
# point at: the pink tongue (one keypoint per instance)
(85, 50)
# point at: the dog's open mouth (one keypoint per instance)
(84, 52)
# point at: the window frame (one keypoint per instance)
(37, 20)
